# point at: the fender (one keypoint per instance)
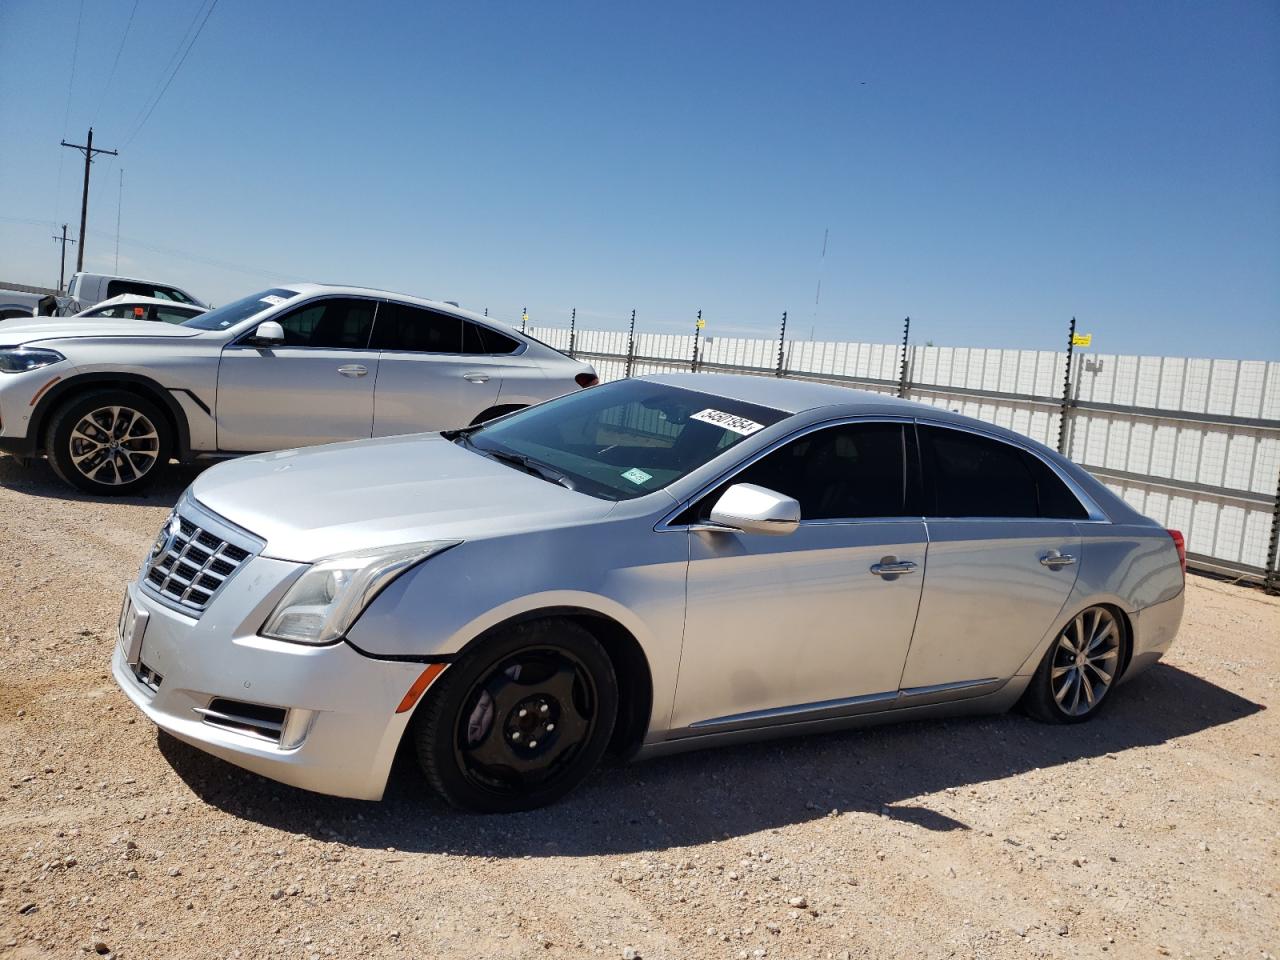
(145, 386)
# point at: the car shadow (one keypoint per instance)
(37, 479)
(731, 791)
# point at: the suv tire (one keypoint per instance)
(108, 442)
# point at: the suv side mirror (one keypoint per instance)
(268, 332)
(754, 509)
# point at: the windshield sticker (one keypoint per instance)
(728, 421)
(637, 476)
(273, 300)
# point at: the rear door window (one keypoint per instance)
(415, 329)
(976, 476)
(478, 339)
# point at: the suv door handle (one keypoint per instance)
(891, 567)
(476, 377)
(353, 369)
(1054, 560)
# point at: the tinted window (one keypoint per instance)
(850, 471)
(627, 438)
(976, 476)
(402, 327)
(478, 339)
(334, 323)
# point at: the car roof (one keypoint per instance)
(807, 396)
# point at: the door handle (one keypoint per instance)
(476, 377)
(891, 567)
(353, 369)
(1053, 560)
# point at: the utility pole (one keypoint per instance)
(88, 150)
(62, 266)
(1066, 389)
(902, 375)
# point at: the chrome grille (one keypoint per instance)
(190, 563)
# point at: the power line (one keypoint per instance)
(66, 113)
(155, 103)
(114, 64)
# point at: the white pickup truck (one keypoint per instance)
(86, 289)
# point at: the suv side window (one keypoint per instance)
(856, 470)
(976, 476)
(478, 339)
(402, 327)
(336, 323)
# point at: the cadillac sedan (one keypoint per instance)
(654, 565)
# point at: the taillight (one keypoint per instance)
(585, 380)
(1180, 542)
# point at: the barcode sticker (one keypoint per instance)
(728, 421)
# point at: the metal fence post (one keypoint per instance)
(1066, 389)
(1271, 578)
(902, 376)
(782, 340)
(524, 318)
(573, 322)
(697, 329)
(631, 343)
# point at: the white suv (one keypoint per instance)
(111, 402)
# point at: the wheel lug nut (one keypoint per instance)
(515, 735)
(550, 727)
(532, 744)
(523, 712)
(542, 708)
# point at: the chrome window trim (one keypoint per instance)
(1095, 512)
(665, 524)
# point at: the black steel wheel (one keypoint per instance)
(520, 721)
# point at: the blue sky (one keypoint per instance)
(989, 169)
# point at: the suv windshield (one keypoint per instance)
(622, 440)
(232, 313)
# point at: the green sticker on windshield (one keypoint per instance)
(637, 476)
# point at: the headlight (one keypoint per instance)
(21, 359)
(324, 602)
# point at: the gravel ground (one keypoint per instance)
(1152, 832)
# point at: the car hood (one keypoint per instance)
(18, 331)
(320, 501)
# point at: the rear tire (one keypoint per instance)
(520, 721)
(108, 442)
(1080, 669)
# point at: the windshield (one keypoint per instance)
(625, 439)
(232, 313)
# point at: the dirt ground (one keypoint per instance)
(1151, 832)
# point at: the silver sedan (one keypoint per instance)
(649, 566)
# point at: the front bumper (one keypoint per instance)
(340, 704)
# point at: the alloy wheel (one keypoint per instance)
(114, 445)
(1086, 660)
(525, 721)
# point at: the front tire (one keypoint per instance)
(108, 442)
(1080, 668)
(520, 721)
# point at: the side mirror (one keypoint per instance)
(268, 332)
(752, 509)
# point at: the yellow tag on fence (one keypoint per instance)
(1081, 339)
(701, 324)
